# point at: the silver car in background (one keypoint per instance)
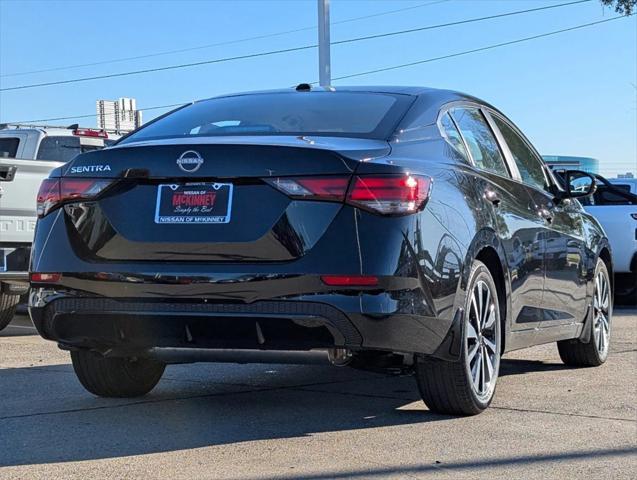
(27, 154)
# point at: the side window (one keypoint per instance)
(9, 147)
(480, 140)
(530, 166)
(452, 134)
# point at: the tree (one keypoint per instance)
(625, 7)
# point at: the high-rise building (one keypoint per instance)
(120, 115)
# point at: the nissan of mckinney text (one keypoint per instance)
(385, 228)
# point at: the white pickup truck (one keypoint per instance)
(27, 155)
(614, 205)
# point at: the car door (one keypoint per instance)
(517, 224)
(562, 238)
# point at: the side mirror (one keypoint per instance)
(577, 184)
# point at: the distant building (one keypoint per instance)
(587, 164)
(120, 115)
(626, 175)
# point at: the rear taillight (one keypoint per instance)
(56, 191)
(390, 195)
(48, 196)
(312, 188)
(385, 194)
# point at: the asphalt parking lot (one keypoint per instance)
(309, 422)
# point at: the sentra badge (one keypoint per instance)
(91, 168)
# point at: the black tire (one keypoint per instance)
(447, 387)
(628, 299)
(625, 289)
(576, 353)
(116, 377)
(8, 304)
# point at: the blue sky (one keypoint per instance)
(572, 94)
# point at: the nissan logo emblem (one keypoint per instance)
(190, 161)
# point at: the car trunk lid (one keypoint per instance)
(196, 201)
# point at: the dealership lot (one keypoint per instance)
(266, 422)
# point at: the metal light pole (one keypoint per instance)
(325, 64)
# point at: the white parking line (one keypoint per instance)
(21, 326)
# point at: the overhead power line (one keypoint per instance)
(475, 50)
(89, 115)
(219, 44)
(288, 50)
(384, 69)
(368, 72)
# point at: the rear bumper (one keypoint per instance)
(14, 283)
(17, 276)
(14, 266)
(134, 326)
(135, 305)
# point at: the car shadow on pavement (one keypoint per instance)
(515, 366)
(46, 416)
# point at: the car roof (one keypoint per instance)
(436, 94)
(430, 100)
(50, 131)
(59, 131)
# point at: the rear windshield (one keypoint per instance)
(64, 149)
(344, 114)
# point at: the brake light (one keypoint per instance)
(350, 280)
(384, 194)
(48, 196)
(56, 191)
(89, 132)
(390, 195)
(45, 277)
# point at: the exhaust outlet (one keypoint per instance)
(339, 357)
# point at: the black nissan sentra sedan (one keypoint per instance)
(389, 228)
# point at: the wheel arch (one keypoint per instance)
(607, 258)
(487, 248)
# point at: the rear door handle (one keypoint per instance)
(7, 173)
(492, 197)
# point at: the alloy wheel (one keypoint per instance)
(602, 314)
(482, 341)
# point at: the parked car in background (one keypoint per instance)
(27, 155)
(614, 205)
(385, 228)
